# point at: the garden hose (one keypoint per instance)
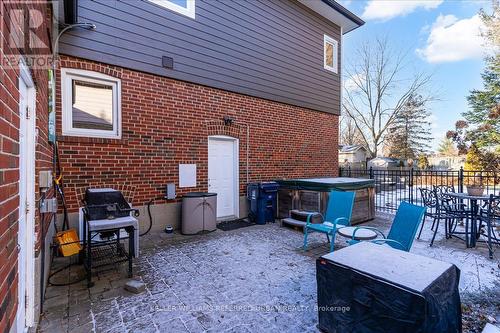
(150, 215)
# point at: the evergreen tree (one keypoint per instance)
(479, 134)
(410, 134)
(484, 113)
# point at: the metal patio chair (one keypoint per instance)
(433, 211)
(403, 230)
(338, 214)
(489, 218)
(454, 210)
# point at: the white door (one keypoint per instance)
(26, 228)
(223, 173)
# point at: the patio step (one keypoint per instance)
(301, 215)
(293, 222)
(298, 218)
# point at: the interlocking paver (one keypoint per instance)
(255, 279)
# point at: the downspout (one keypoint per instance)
(248, 153)
(341, 76)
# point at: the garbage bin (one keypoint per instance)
(262, 202)
(199, 212)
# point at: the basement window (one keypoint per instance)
(184, 7)
(330, 50)
(90, 104)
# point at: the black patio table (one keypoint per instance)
(472, 236)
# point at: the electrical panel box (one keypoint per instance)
(45, 179)
(170, 191)
(48, 205)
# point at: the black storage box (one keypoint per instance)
(105, 203)
(374, 288)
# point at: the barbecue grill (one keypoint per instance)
(108, 220)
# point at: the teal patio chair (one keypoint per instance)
(403, 230)
(338, 214)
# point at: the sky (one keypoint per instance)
(442, 38)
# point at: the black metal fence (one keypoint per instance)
(395, 185)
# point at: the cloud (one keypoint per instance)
(451, 39)
(383, 10)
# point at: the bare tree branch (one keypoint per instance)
(379, 88)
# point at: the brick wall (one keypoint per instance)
(9, 155)
(166, 122)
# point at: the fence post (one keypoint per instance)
(350, 174)
(410, 185)
(461, 180)
(371, 172)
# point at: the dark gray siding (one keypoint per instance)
(271, 49)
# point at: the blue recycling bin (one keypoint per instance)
(262, 202)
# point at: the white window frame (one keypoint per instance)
(69, 74)
(189, 11)
(335, 44)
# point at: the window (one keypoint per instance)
(184, 7)
(90, 104)
(330, 61)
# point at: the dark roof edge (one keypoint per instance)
(345, 12)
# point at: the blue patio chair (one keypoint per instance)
(338, 213)
(403, 230)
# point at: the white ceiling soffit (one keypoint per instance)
(334, 12)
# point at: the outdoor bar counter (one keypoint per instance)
(311, 194)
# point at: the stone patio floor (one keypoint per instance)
(254, 279)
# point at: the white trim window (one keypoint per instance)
(330, 54)
(184, 7)
(91, 104)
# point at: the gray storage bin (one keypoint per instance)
(199, 212)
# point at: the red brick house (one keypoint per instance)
(238, 91)
(205, 95)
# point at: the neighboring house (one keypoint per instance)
(450, 162)
(352, 155)
(384, 163)
(24, 154)
(242, 91)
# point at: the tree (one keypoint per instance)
(378, 90)
(410, 132)
(349, 134)
(492, 23)
(447, 147)
(484, 111)
(481, 160)
(423, 162)
(479, 134)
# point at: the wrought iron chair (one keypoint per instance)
(338, 213)
(489, 217)
(443, 189)
(433, 211)
(403, 229)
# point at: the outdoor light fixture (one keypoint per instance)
(228, 120)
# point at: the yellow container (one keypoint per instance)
(69, 243)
